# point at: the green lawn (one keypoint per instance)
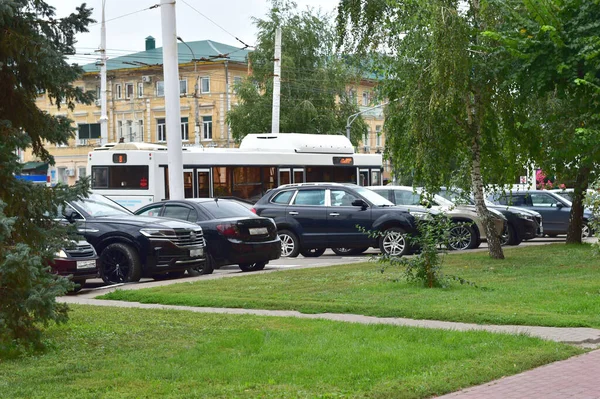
(549, 285)
(140, 353)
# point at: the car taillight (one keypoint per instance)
(228, 230)
(253, 210)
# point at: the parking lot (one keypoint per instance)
(95, 287)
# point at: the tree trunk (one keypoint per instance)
(576, 216)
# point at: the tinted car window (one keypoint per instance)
(225, 209)
(177, 212)
(151, 211)
(97, 206)
(407, 198)
(515, 200)
(342, 198)
(283, 197)
(310, 197)
(539, 199)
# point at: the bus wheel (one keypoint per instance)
(120, 263)
(290, 246)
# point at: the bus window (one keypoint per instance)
(269, 178)
(222, 181)
(375, 177)
(203, 184)
(247, 182)
(120, 177)
(188, 185)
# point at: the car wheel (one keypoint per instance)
(585, 231)
(252, 267)
(207, 268)
(462, 236)
(290, 247)
(120, 263)
(509, 236)
(393, 242)
(349, 251)
(312, 252)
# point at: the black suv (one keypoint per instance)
(311, 217)
(130, 246)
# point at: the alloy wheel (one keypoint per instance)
(287, 244)
(115, 265)
(394, 243)
(460, 237)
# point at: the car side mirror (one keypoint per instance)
(70, 215)
(359, 202)
(559, 205)
(426, 203)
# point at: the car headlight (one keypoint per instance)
(524, 216)
(420, 215)
(158, 233)
(61, 254)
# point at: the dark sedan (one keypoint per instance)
(78, 262)
(234, 235)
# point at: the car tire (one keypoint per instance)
(462, 237)
(393, 242)
(207, 268)
(120, 263)
(586, 232)
(290, 245)
(312, 252)
(510, 236)
(252, 267)
(349, 251)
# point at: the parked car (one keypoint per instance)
(311, 217)
(78, 262)
(521, 224)
(468, 231)
(555, 210)
(130, 246)
(233, 234)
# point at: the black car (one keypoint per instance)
(311, 217)
(234, 235)
(130, 246)
(78, 262)
(521, 224)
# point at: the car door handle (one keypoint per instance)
(293, 213)
(334, 214)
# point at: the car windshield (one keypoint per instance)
(226, 209)
(98, 206)
(372, 197)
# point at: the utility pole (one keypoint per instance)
(227, 101)
(103, 116)
(172, 106)
(197, 111)
(276, 82)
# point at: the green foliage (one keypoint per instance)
(426, 266)
(33, 46)
(314, 78)
(592, 201)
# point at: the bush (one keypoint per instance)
(592, 200)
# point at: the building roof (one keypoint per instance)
(204, 50)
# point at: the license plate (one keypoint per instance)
(258, 230)
(86, 264)
(196, 252)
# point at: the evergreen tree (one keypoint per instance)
(33, 49)
(315, 80)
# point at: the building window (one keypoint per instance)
(237, 81)
(128, 90)
(207, 127)
(98, 93)
(351, 96)
(365, 98)
(378, 135)
(160, 89)
(205, 85)
(80, 172)
(140, 91)
(118, 91)
(141, 129)
(366, 139)
(182, 87)
(184, 130)
(87, 131)
(161, 130)
(119, 129)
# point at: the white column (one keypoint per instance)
(172, 106)
(103, 116)
(276, 82)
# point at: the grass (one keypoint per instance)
(141, 353)
(549, 285)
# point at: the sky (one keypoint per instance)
(127, 33)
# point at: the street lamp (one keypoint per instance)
(353, 117)
(197, 116)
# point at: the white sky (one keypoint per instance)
(128, 33)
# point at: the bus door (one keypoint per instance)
(363, 177)
(375, 177)
(299, 175)
(204, 179)
(188, 183)
(285, 176)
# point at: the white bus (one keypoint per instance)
(135, 174)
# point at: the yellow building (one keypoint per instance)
(136, 103)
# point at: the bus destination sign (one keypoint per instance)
(119, 158)
(343, 161)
